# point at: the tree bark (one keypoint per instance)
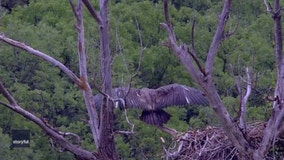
(204, 77)
(102, 129)
(86, 91)
(106, 148)
(274, 123)
(53, 133)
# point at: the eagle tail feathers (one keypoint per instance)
(155, 117)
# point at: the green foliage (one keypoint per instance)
(45, 91)
(178, 119)
(203, 117)
(144, 143)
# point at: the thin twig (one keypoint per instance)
(73, 8)
(194, 57)
(127, 120)
(229, 33)
(268, 6)
(120, 50)
(166, 13)
(78, 139)
(142, 49)
(192, 36)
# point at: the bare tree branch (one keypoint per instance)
(196, 60)
(193, 51)
(87, 92)
(276, 118)
(82, 81)
(142, 49)
(167, 16)
(181, 52)
(205, 81)
(119, 48)
(92, 11)
(268, 6)
(218, 37)
(239, 82)
(102, 128)
(192, 35)
(45, 57)
(106, 148)
(50, 131)
(70, 134)
(244, 99)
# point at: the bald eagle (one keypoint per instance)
(152, 101)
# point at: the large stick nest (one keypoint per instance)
(213, 144)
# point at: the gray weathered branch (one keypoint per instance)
(244, 99)
(274, 123)
(50, 131)
(205, 81)
(218, 36)
(92, 11)
(43, 56)
(82, 57)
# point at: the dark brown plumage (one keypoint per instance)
(152, 101)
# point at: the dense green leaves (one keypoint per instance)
(135, 32)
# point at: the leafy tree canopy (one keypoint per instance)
(135, 31)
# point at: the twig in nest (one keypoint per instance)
(212, 143)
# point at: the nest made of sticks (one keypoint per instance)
(213, 144)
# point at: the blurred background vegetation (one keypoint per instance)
(45, 91)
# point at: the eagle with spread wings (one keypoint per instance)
(152, 101)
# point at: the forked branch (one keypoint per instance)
(205, 81)
(218, 36)
(82, 57)
(275, 121)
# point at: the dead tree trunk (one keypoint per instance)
(101, 126)
(106, 146)
(203, 77)
(273, 126)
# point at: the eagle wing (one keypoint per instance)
(133, 99)
(179, 95)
